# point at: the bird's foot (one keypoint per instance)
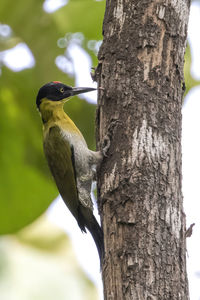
(106, 145)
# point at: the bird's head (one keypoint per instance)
(57, 91)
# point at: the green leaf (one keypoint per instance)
(25, 191)
(26, 186)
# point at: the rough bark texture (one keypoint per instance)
(140, 72)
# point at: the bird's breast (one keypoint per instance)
(81, 152)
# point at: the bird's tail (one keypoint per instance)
(97, 234)
(87, 219)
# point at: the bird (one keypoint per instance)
(70, 161)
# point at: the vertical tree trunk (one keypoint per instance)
(140, 72)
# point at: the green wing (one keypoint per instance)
(60, 157)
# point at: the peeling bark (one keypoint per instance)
(140, 72)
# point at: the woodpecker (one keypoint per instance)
(70, 161)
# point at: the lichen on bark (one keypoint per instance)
(140, 73)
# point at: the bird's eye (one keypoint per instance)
(62, 90)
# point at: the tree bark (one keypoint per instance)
(140, 73)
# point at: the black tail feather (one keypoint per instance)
(97, 234)
(87, 219)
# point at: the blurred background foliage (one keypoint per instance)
(26, 187)
(39, 256)
(38, 263)
(190, 81)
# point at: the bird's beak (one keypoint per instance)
(81, 90)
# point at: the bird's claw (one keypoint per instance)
(106, 145)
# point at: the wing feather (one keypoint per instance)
(60, 157)
(61, 161)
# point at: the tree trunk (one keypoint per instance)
(140, 73)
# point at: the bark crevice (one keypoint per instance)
(139, 183)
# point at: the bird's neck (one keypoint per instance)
(52, 113)
(52, 110)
